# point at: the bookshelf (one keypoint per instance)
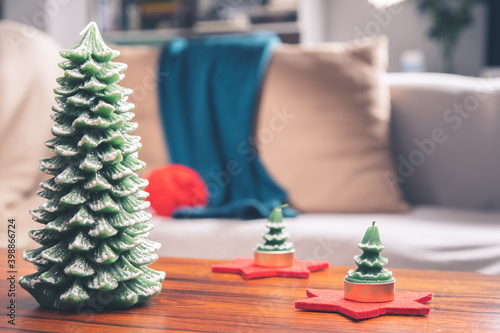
(289, 33)
(154, 22)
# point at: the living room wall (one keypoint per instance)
(320, 20)
(407, 29)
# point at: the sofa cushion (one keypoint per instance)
(323, 127)
(412, 240)
(446, 139)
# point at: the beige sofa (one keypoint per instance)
(348, 160)
(451, 182)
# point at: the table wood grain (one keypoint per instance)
(194, 299)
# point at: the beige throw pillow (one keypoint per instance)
(323, 127)
(142, 77)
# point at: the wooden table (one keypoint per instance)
(194, 299)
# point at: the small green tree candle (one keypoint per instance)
(370, 263)
(94, 245)
(275, 239)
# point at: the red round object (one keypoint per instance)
(174, 186)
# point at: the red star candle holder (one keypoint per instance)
(247, 268)
(369, 290)
(404, 303)
(274, 257)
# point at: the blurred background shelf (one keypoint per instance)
(157, 21)
(288, 31)
(308, 22)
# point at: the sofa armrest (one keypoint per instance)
(28, 67)
(445, 135)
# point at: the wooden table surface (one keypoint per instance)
(194, 299)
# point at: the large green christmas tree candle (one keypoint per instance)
(276, 251)
(370, 281)
(94, 245)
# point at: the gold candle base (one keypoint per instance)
(369, 292)
(275, 259)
